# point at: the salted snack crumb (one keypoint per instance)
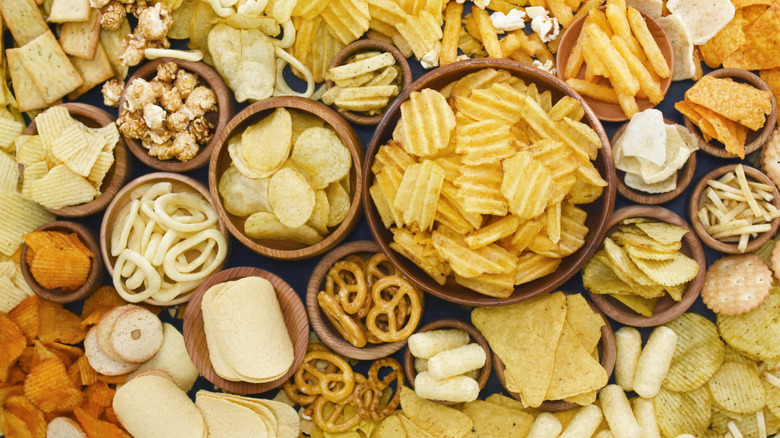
(736, 284)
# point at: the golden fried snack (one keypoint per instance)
(368, 394)
(334, 385)
(337, 420)
(401, 290)
(350, 281)
(347, 327)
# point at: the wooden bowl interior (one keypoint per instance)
(294, 317)
(320, 323)
(474, 334)
(208, 77)
(697, 201)
(607, 355)
(93, 117)
(180, 184)
(666, 308)
(598, 211)
(684, 177)
(611, 112)
(94, 279)
(221, 160)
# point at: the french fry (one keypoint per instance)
(616, 15)
(595, 91)
(561, 11)
(646, 40)
(646, 83)
(620, 76)
(488, 32)
(451, 33)
(575, 60)
(627, 104)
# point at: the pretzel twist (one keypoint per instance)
(348, 281)
(400, 291)
(335, 384)
(349, 329)
(368, 394)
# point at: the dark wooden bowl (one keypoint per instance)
(94, 279)
(666, 308)
(220, 161)
(474, 334)
(180, 183)
(598, 212)
(294, 318)
(367, 45)
(607, 354)
(684, 177)
(611, 112)
(93, 117)
(219, 119)
(755, 139)
(728, 247)
(320, 323)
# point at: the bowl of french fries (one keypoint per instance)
(735, 209)
(618, 58)
(457, 221)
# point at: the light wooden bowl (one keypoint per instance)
(322, 326)
(94, 279)
(611, 112)
(755, 139)
(695, 204)
(666, 308)
(364, 46)
(607, 354)
(294, 318)
(474, 334)
(219, 119)
(220, 161)
(598, 211)
(93, 117)
(180, 183)
(684, 177)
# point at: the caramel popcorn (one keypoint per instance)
(170, 100)
(202, 130)
(167, 72)
(185, 82)
(154, 22)
(112, 15)
(112, 91)
(201, 100)
(132, 125)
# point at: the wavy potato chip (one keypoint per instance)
(737, 388)
(427, 122)
(683, 412)
(698, 355)
(752, 333)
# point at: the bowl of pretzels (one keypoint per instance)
(359, 305)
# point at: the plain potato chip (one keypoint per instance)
(265, 226)
(245, 58)
(321, 155)
(266, 144)
(291, 197)
(698, 355)
(339, 203)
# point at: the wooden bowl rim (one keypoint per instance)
(476, 337)
(607, 355)
(94, 279)
(569, 38)
(324, 329)
(684, 176)
(106, 226)
(552, 281)
(224, 113)
(766, 130)
(347, 135)
(369, 44)
(116, 175)
(299, 332)
(691, 245)
(693, 208)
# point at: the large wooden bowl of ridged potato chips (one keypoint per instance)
(488, 182)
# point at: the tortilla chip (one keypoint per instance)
(725, 42)
(438, 420)
(575, 370)
(772, 78)
(740, 102)
(731, 134)
(763, 42)
(584, 321)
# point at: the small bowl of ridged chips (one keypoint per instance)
(351, 294)
(364, 78)
(285, 177)
(650, 269)
(465, 226)
(72, 160)
(735, 209)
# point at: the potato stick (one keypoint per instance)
(736, 223)
(628, 104)
(646, 40)
(520, 56)
(757, 193)
(616, 15)
(727, 178)
(618, 413)
(742, 230)
(712, 196)
(654, 362)
(723, 187)
(740, 172)
(574, 62)
(760, 420)
(451, 33)
(619, 74)
(759, 186)
(731, 214)
(704, 218)
(470, 24)
(561, 11)
(552, 46)
(734, 430)
(646, 83)
(743, 241)
(628, 342)
(716, 214)
(597, 16)
(595, 91)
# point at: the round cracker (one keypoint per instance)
(736, 284)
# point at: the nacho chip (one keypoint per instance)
(763, 38)
(439, 420)
(736, 101)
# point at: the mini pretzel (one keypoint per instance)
(331, 423)
(351, 282)
(378, 266)
(349, 329)
(299, 398)
(396, 330)
(333, 385)
(356, 259)
(368, 394)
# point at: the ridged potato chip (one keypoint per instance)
(531, 266)
(683, 412)
(479, 188)
(679, 270)
(418, 247)
(49, 388)
(471, 263)
(419, 192)
(486, 141)
(427, 122)
(322, 157)
(347, 19)
(527, 185)
(737, 388)
(753, 333)
(62, 187)
(699, 353)
(58, 324)
(32, 418)
(21, 217)
(60, 268)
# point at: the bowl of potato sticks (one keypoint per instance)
(650, 269)
(487, 183)
(735, 209)
(285, 177)
(161, 237)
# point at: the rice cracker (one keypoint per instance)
(736, 284)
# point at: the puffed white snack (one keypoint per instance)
(428, 344)
(459, 360)
(617, 411)
(546, 425)
(628, 343)
(654, 362)
(584, 423)
(453, 389)
(644, 412)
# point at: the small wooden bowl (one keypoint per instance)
(220, 161)
(324, 329)
(180, 183)
(449, 323)
(755, 139)
(598, 211)
(94, 279)
(611, 112)
(93, 117)
(607, 354)
(219, 119)
(666, 308)
(363, 46)
(684, 177)
(696, 197)
(294, 318)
